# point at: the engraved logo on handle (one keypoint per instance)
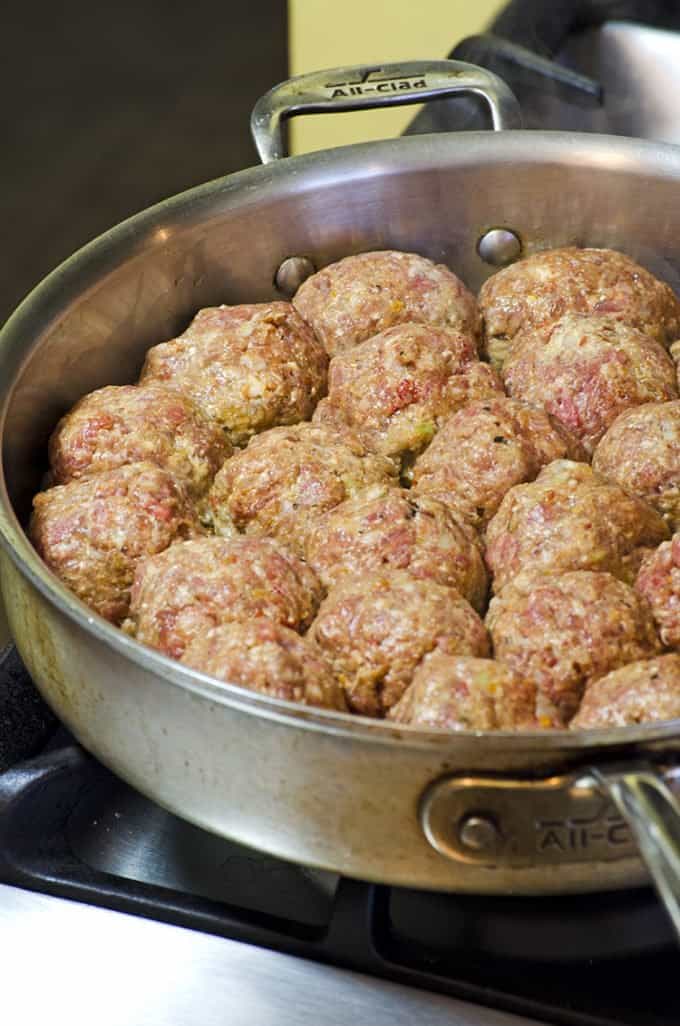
(374, 81)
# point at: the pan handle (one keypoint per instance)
(363, 86)
(653, 815)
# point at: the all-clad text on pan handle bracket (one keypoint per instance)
(364, 86)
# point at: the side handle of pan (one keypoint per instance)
(653, 815)
(363, 86)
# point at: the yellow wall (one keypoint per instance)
(328, 33)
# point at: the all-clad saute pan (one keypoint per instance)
(523, 813)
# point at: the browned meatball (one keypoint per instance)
(641, 453)
(587, 370)
(539, 290)
(180, 594)
(641, 692)
(462, 693)
(384, 527)
(286, 477)
(264, 656)
(124, 424)
(357, 297)
(394, 389)
(484, 449)
(247, 367)
(93, 533)
(659, 582)
(375, 629)
(560, 631)
(569, 518)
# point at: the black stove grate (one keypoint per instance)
(56, 809)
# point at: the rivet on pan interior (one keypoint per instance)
(291, 274)
(499, 246)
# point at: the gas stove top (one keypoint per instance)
(95, 876)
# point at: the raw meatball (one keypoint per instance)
(286, 477)
(659, 582)
(569, 518)
(641, 453)
(180, 594)
(124, 424)
(537, 291)
(484, 449)
(357, 297)
(374, 630)
(266, 657)
(247, 367)
(395, 388)
(560, 631)
(587, 370)
(641, 692)
(385, 528)
(461, 693)
(93, 533)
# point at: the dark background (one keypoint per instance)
(107, 110)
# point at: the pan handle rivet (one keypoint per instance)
(499, 246)
(478, 832)
(291, 274)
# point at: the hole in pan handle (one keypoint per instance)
(363, 86)
(653, 815)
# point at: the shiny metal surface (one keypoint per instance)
(364, 86)
(291, 274)
(652, 812)
(66, 963)
(314, 787)
(499, 246)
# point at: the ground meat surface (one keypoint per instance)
(384, 527)
(287, 477)
(124, 424)
(375, 629)
(484, 449)
(585, 371)
(642, 692)
(395, 389)
(247, 367)
(641, 453)
(537, 291)
(93, 533)
(360, 296)
(562, 631)
(462, 693)
(569, 518)
(264, 656)
(180, 594)
(658, 581)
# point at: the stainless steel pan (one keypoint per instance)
(503, 813)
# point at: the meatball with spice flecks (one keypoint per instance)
(535, 292)
(123, 424)
(384, 527)
(395, 389)
(179, 595)
(375, 629)
(484, 449)
(569, 518)
(463, 693)
(561, 631)
(585, 371)
(287, 477)
(93, 533)
(248, 368)
(642, 692)
(360, 296)
(266, 657)
(658, 580)
(641, 453)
